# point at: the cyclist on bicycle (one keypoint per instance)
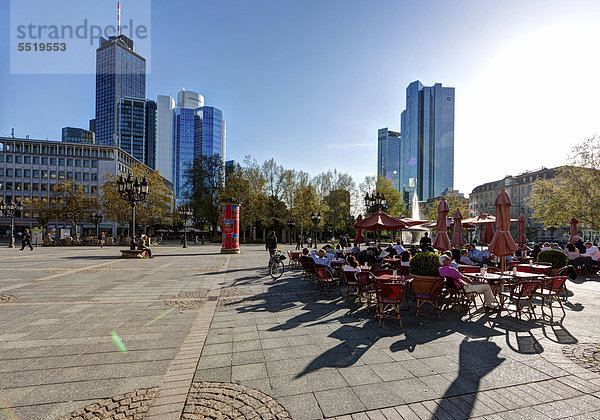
(271, 244)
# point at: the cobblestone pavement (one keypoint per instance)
(86, 328)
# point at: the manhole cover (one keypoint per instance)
(215, 400)
(126, 406)
(7, 298)
(584, 354)
(188, 300)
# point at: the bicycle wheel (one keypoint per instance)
(277, 269)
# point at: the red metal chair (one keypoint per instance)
(365, 281)
(520, 296)
(389, 296)
(293, 261)
(427, 291)
(459, 295)
(351, 283)
(540, 270)
(551, 290)
(403, 270)
(525, 269)
(383, 271)
(308, 271)
(327, 281)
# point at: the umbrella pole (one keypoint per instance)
(502, 264)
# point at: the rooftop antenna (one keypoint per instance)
(118, 18)
(12, 133)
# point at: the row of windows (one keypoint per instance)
(27, 186)
(37, 149)
(52, 161)
(26, 173)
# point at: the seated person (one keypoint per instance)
(142, 246)
(429, 249)
(592, 251)
(453, 263)
(556, 246)
(330, 250)
(413, 250)
(370, 257)
(405, 259)
(391, 251)
(455, 253)
(399, 248)
(469, 286)
(322, 257)
(464, 258)
(474, 254)
(352, 264)
(579, 244)
(305, 256)
(546, 246)
(487, 257)
(355, 249)
(535, 251)
(522, 252)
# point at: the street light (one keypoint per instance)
(291, 225)
(96, 219)
(9, 211)
(132, 191)
(185, 213)
(375, 202)
(316, 218)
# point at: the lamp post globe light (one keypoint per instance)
(375, 202)
(10, 210)
(96, 219)
(185, 213)
(132, 191)
(291, 225)
(316, 218)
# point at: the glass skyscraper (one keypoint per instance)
(120, 73)
(150, 134)
(427, 141)
(131, 127)
(388, 156)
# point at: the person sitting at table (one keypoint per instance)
(487, 257)
(305, 256)
(468, 285)
(413, 250)
(556, 246)
(455, 253)
(391, 251)
(453, 263)
(370, 257)
(399, 248)
(535, 251)
(546, 246)
(322, 257)
(592, 254)
(464, 258)
(352, 264)
(355, 249)
(474, 254)
(573, 255)
(405, 259)
(522, 252)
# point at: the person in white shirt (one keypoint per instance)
(546, 246)
(592, 251)
(321, 257)
(399, 248)
(352, 264)
(464, 259)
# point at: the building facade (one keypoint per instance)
(150, 134)
(78, 135)
(388, 155)
(120, 73)
(427, 146)
(518, 188)
(165, 106)
(33, 169)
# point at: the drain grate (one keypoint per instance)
(586, 355)
(7, 298)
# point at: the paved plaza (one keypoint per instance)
(193, 334)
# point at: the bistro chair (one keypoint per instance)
(308, 271)
(565, 272)
(317, 268)
(383, 271)
(525, 269)
(427, 291)
(458, 295)
(551, 290)
(469, 268)
(520, 296)
(293, 259)
(389, 297)
(327, 281)
(351, 284)
(366, 285)
(544, 270)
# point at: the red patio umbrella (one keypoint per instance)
(521, 238)
(380, 220)
(457, 238)
(502, 243)
(573, 223)
(488, 233)
(358, 239)
(441, 241)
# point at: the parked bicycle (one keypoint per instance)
(276, 265)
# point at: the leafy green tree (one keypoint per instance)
(394, 200)
(75, 203)
(454, 202)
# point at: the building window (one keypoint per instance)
(9, 159)
(86, 176)
(44, 187)
(44, 161)
(36, 186)
(94, 189)
(61, 174)
(27, 186)
(18, 159)
(69, 175)
(86, 163)
(52, 174)
(94, 163)
(17, 186)
(9, 172)
(9, 186)
(69, 162)
(61, 162)
(36, 160)
(77, 162)
(45, 174)
(94, 177)
(78, 176)
(18, 172)
(52, 161)
(1, 171)
(36, 173)
(27, 173)
(27, 159)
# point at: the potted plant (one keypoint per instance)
(554, 256)
(425, 265)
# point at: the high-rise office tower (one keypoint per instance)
(427, 141)
(388, 155)
(150, 134)
(131, 127)
(120, 73)
(165, 105)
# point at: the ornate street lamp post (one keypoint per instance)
(96, 219)
(375, 202)
(291, 225)
(316, 218)
(185, 213)
(132, 191)
(10, 210)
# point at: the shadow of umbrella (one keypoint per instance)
(470, 373)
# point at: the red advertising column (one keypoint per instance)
(231, 227)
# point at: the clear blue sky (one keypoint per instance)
(310, 82)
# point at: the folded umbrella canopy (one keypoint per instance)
(521, 238)
(457, 238)
(488, 233)
(573, 232)
(502, 243)
(358, 239)
(441, 241)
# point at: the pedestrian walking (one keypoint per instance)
(26, 241)
(196, 240)
(271, 244)
(102, 239)
(298, 242)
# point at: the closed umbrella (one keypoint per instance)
(441, 241)
(358, 239)
(521, 238)
(488, 233)
(502, 243)
(457, 238)
(573, 223)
